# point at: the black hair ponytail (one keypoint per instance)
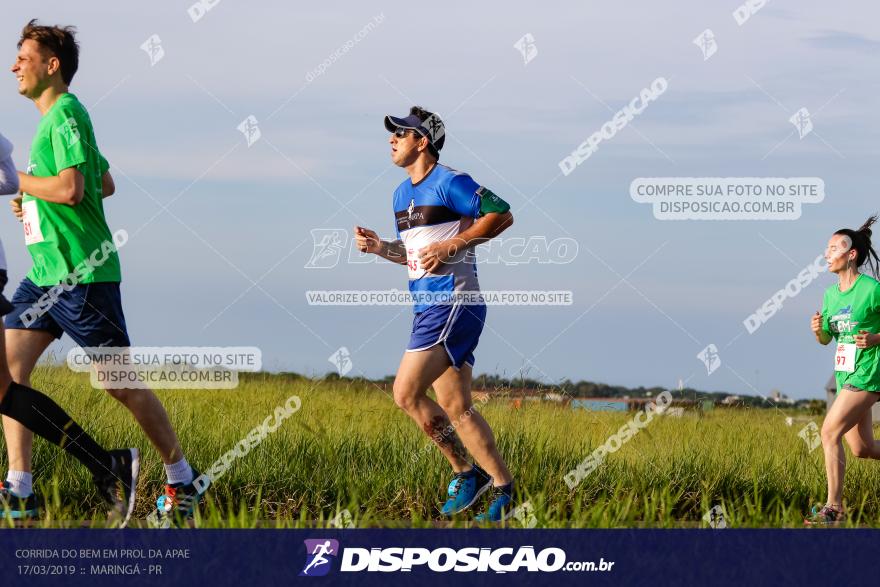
(861, 242)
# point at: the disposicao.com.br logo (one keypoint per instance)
(317, 553)
(442, 560)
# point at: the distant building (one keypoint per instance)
(777, 397)
(731, 400)
(831, 392)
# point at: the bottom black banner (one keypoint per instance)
(428, 557)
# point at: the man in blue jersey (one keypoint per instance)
(441, 215)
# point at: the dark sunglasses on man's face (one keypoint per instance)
(402, 132)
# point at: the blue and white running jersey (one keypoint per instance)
(443, 204)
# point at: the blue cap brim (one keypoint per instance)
(412, 122)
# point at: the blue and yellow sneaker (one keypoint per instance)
(464, 489)
(500, 507)
(16, 507)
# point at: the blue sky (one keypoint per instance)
(238, 215)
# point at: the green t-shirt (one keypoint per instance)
(843, 315)
(59, 237)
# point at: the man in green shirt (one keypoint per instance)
(73, 287)
(115, 472)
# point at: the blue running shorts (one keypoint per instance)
(90, 313)
(456, 326)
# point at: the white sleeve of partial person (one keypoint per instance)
(8, 174)
(2, 258)
(8, 177)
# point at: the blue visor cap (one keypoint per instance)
(432, 128)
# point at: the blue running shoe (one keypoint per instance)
(500, 508)
(15, 507)
(177, 506)
(464, 489)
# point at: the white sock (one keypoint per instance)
(21, 483)
(179, 472)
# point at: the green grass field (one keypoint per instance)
(349, 447)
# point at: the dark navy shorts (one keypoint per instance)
(90, 313)
(456, 326)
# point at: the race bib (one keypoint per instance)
(31, 222)
(412, 263)
(845, 358)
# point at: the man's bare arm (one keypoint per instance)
(484, 229)
(367, 241)
(108, 186)
(394, 251)
(65, 188)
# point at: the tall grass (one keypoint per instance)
(349, 447)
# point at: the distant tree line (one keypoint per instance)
(496, 384)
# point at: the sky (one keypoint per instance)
(221, 231)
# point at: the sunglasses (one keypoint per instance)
(402, 132)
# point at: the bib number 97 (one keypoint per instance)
(845, 358)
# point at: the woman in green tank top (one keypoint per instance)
(850, 317)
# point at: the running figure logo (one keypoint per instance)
(715, 518)
(409, 211)
(810, 435)
(412, 215)
(153, 48)
(317, 551)
(710, 358)
(69, 131)
(527, 48)
(706, 43)
(342, 360)
(250, 128)
(435, 127)
(327, 246)
(802, 122)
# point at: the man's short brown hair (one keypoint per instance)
(55, 41)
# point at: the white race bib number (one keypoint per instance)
(31, 222)
(412, 263)
(845, 358)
